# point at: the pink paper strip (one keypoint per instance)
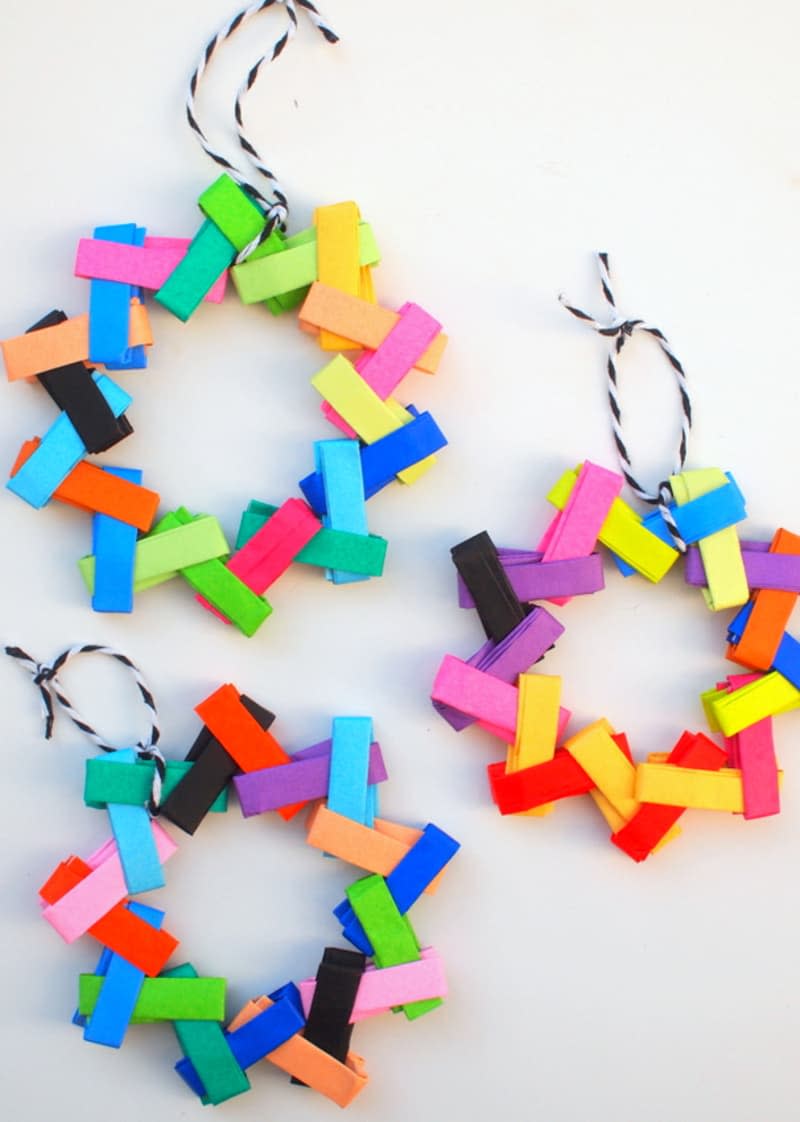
(752, 750)
(736, 681)
(585, 512)
(759, 770)
(86, 903)
(573, 533)
(379, 990)
(491, 702)
(271, 550)
(732, 748)
(520, 649)
(147, 266)
(386, 367)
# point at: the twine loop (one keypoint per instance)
(51, 692)
(272, 198)
(617, 333)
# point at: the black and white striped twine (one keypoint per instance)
(617, 333)
(276, 207)
(45, 677)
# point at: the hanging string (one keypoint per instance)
(45, 678)
(274, 202)
(617, 332)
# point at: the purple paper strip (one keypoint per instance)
(779, 571)
(534, 579)
(306, 777)
(509, 658)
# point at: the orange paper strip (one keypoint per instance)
(90, 488)
(242, 736)
(366, 324)
(302, 1059)
(377, 849)
(64, 343)
(769, 616)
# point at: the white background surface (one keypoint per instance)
(492, 150)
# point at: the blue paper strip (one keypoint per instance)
(381, 461)
(254, 1040)
(339, 464)
(787, 659)
(136, 357)
(114, 549)
(110, 305)
(120, 991)
(103, 962)
(60, 450)
(739, 622)
(133, 833)
(347, 784)
(697, 519)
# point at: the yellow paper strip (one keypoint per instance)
(338, 259)
(694, 788)
(366, 285)
(766, 697)
(538, 701)
(342, 386)
(605, 763)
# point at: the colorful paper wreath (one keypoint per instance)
(326, 271)
(303, 1029)
(494, 689)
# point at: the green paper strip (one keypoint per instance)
(232, 211)
(209, 255)
(240, 220)
(203, 1043)
(391, 934)
(220, 586)
(163, 999)
(166, 550)
(130, 784)
(293, 268)
(287, 300)
(276, 243)
(328, 549)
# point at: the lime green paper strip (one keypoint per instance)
(167, 549)
(293, 268)
(163, 999)
(391, 934)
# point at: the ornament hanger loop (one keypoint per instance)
(272, 198)
(45, 678)
(617, 332)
